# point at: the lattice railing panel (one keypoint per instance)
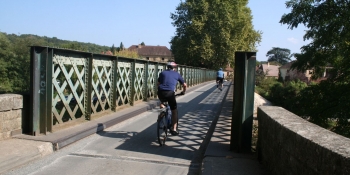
(70, 85)
(101, 85)
(190, 77)
(68, 88)
(139, 80)
(180, 70)
(123, 89)
(151, 81)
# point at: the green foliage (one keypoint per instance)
(128, 54)
(121, 47)
(324, 102)
(329, 32)
(113, 49)
(283, 94)
(15, 58)
(5, 54)
(208, 32)
(264, 85)
(280, 55)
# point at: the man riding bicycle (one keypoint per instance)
(220, 78)
(167, 81)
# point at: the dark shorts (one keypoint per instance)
(220, 79)
(168, 96)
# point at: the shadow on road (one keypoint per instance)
(197, 119)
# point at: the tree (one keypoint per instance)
(113, 49)
(121, 47)
(74, 46)
(142, 44)
(15, 58)
(280, 55)
(5, 54)
(208, 32)
(329, 32)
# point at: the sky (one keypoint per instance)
(108, 22)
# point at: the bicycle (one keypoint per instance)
(164, 123)
(219, 85)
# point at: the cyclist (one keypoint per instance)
(219, 78)
(167, 81)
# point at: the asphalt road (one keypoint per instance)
(131, 147)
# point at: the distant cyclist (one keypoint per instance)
(167, 81)
(220, 78)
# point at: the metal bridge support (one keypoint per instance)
(69, 85)
(243, 101)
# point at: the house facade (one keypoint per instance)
(153, 53)
(287, 74)
(269, 70)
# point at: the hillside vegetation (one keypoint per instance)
(15, 58)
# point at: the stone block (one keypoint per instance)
(12, 114)
(6, 102)
(11, 125)
(10, 101)
(17, 101)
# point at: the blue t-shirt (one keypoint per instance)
(168, 80)
(220, 74)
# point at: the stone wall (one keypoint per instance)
(288, 144)
(11, 106)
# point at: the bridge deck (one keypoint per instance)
(130, 146)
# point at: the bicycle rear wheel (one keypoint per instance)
(162, 131)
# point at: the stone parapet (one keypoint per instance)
(288, 144)
(11, 106)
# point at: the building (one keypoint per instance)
(269, 70)
(153, 53)
(228, 71)
(288, 74)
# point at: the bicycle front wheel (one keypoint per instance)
(162, 131)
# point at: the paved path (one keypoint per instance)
(122, 143)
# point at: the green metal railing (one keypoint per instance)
(68, 85)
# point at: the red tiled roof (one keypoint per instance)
(151, 50)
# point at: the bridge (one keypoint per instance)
(77, 94)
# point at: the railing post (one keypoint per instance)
(133, 79)
(88, 86)
(145, 83)
(49, 97)
(185, 74)
(156, 74)
(40, 81)
(243, 102)
(113, 89)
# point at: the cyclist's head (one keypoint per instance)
(220, 69)
(171, 65)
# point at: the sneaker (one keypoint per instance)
(174, 133)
